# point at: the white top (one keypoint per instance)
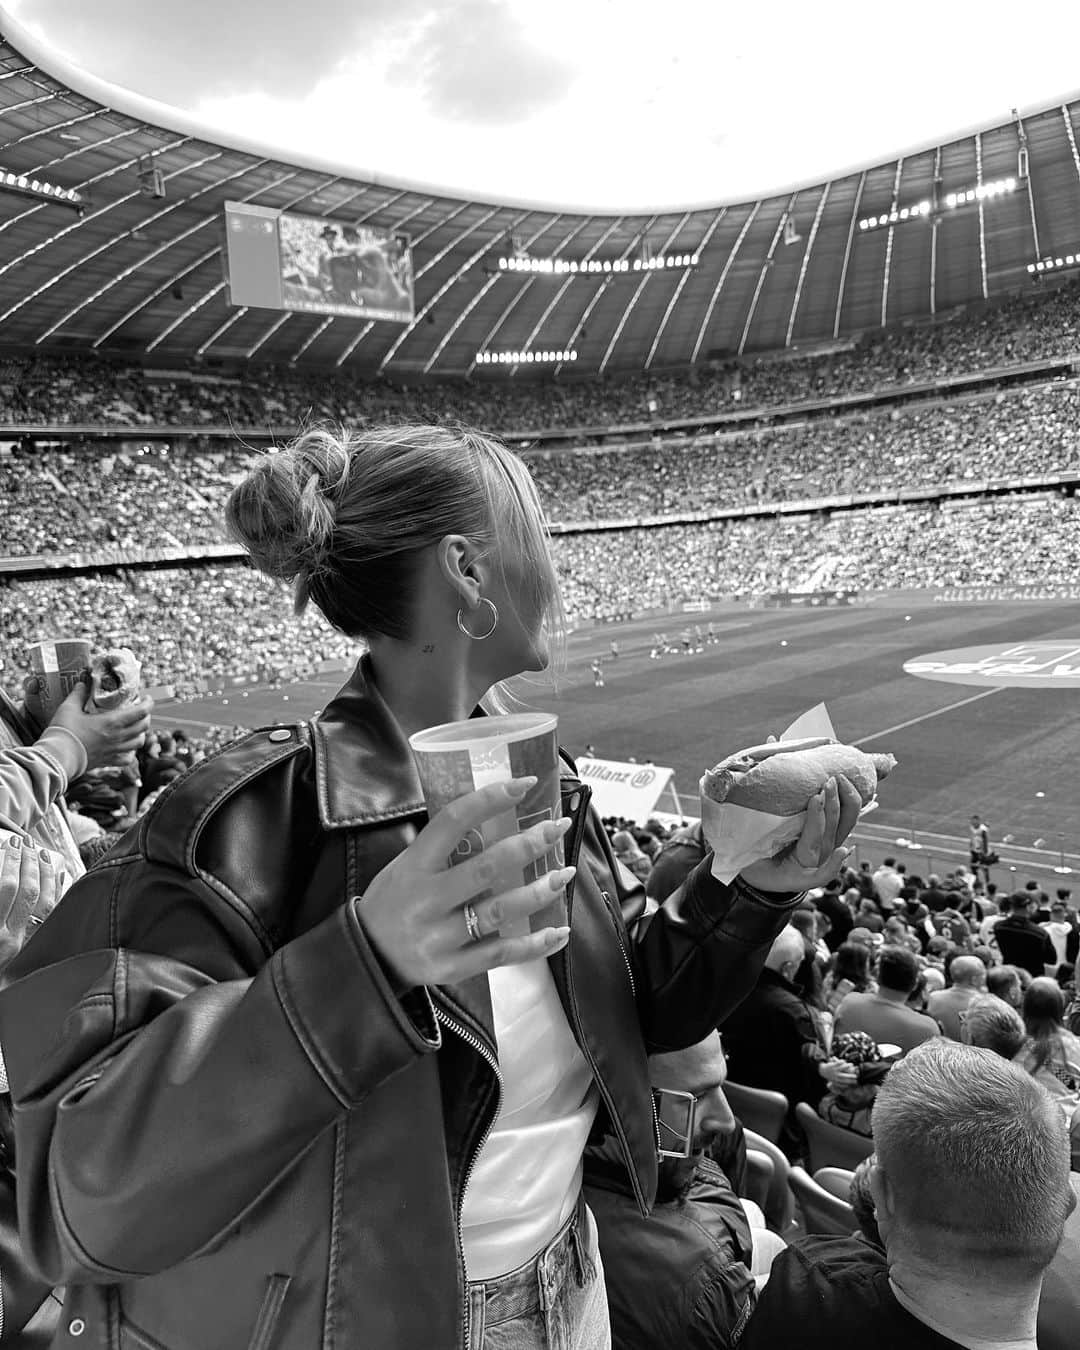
(526, 1180)
(888, 885)
(1059, 936)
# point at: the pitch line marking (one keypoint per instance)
(925, 717)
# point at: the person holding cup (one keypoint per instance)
(307, 1063)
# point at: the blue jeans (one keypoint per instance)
(556, 1301)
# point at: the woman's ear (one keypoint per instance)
(459, 567)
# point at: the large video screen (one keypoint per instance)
(280, 260)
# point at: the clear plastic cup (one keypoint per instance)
(458, 757)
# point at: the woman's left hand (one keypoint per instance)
(817, 855)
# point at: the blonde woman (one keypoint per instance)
(280, 1081)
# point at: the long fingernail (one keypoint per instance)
(556, 938)
(555, 829)
(517, 787)
(563, 877)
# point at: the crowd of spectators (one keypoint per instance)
(1005, 541)
(192, 629)
(78, 498)
(878, 962)
(217, 622)
(74, 390)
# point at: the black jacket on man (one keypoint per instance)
(771, 1041)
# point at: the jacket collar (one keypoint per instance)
(770, 978)
(364, 770)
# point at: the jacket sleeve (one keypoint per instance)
(700, 953)
(33, 776)
(159, 1048)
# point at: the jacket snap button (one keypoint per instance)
(281, 734)
(77, 1327)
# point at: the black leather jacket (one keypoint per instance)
(231, 1130)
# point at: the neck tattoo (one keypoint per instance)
(430, 647)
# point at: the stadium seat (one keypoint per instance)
(819, 1210)
(757, 1109)
(829, 1145)
(779, 1206)
(759, 1178)
(835, 1180)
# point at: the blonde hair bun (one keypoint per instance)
(284, 511)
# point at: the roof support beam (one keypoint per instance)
(522, 291)
(155, 253)
(316, 332)
(806, 262)
(201, 351)
(182, 318)
(53, 129)
(90, 215)
(284, 318)
(699, 250)
(886, 270)
(1072, 138)
(1027, 176)
(580, 324)
(722, 278)
(86, 257)
(471, 261)
(982, 215)
(491, 281)
(638, 290)
(764, 272)
(847, 254)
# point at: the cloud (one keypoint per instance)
(478, 63)
(180, 53)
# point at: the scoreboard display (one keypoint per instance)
(281, 260)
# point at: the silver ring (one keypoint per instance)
(472, 923)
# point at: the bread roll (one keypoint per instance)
(781, 778)
(114, 678)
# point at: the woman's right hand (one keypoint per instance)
(413, 912)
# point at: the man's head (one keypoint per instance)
(1058, 911)
(973, 1165)
(889, 862)
(787, 952)
(975, 822)
(968, 972)
(898, 969)
(933, 980)
(1019, 902)
(1004, 981)
(701, 1070)
(989, 1023)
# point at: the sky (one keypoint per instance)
(601, 104)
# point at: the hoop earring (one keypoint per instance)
(479, 637)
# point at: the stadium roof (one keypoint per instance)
(143, 278)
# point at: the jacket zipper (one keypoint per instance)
(482, 1050)
(633, 989)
